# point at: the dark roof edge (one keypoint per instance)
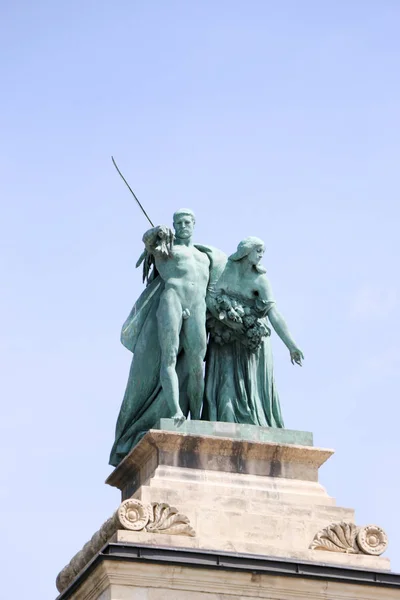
(234, 561)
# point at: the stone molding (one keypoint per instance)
(133, 515)
(348, 538)
(220, 454)
(118, 579)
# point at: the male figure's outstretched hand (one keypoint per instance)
(159, 240)
(164, 232)
(166, 235)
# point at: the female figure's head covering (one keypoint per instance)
(245, 247)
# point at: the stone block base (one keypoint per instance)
(196, 497)
(240, 495)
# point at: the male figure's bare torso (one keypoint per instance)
(186, 272)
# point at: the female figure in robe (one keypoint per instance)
(239, 382)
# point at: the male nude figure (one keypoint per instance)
(181, 313)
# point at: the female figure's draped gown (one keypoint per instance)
(240, 386)
(239, 379)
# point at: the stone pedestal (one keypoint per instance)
(240, 495)
(209, 494)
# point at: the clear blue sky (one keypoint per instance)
(275, 119)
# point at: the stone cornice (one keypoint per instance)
(225, 561)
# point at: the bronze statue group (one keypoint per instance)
(200, 305)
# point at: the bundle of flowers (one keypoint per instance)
(233, 321)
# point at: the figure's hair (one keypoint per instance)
(244, 248)
(184, 211)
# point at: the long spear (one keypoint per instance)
(132, 192)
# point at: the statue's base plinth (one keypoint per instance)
(240, 494)
(248, 510)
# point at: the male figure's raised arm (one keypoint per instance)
(158, 243)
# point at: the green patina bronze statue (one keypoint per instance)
(193, 293)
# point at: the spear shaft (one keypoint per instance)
(132, 192)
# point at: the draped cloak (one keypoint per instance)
(144, 402)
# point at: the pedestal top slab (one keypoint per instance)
(238, 431)
(215, 453)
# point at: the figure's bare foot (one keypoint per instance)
(179, 418)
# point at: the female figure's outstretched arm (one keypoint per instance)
(278, 323)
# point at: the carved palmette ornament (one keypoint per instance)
(134, 516)
(154, 518)
(166, 519)
(348, 538)
(337, 537)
